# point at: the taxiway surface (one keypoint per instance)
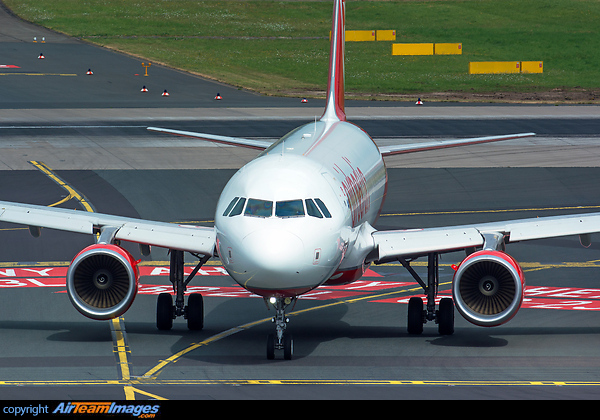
(350, 342)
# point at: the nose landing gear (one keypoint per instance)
(280, 340)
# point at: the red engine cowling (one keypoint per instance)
(102, 281)
(488, 288)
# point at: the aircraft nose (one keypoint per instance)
(274, 254)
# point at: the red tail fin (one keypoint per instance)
(335, 109)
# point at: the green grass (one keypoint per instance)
(282, 47)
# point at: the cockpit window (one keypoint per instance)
(259, 208)
(323, 208)
(312, 209)
(237, 210)
(289, 208)
(230, 206)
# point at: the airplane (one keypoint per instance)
(298, 216)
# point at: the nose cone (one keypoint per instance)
(276, 262)
(272, 256)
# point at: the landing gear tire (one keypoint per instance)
(445, 317)
(288, 347)
(415, 315)
(271, 346)
(195, 312)
(164, 312)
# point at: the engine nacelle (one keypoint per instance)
(102, 281)
(488, 288)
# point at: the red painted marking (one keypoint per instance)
(540, 297)
(9, 66)
(164, 271)
(536, 297)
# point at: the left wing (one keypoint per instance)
(197, 239)
(394, 244)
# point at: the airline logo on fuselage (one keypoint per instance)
(354, 187)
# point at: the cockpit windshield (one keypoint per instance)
(290, 208)
(313, 207)
(259, 208)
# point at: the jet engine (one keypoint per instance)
(488, 288)
(102, 281)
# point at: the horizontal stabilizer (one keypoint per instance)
(232, 141)
(444, 144)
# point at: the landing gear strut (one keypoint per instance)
(417, 315)
(166, 312)
(280, 340)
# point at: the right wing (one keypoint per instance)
(196, 239)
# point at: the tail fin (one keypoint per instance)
(335, 109)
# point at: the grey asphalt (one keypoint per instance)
(91, 130)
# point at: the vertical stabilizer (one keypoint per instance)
(335, 109)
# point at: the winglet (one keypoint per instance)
(335, 109)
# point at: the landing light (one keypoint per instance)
(273, 300)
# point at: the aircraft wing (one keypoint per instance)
(232, 141)
(394, 244)
(197, 239)
(444, 144)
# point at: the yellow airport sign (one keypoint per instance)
(412, 49)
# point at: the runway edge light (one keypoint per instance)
(165, 93)
(218, 97)
(89, 72)
(419, 102)
(144, 89)
(41, 56)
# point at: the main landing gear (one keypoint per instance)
(166, 312)
(280, 340)
(417, 315)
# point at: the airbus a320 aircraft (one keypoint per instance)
(298, 216)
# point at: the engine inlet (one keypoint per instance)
(102, 281)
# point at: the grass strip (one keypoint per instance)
(281, 47)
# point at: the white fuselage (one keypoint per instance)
(300, 209)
